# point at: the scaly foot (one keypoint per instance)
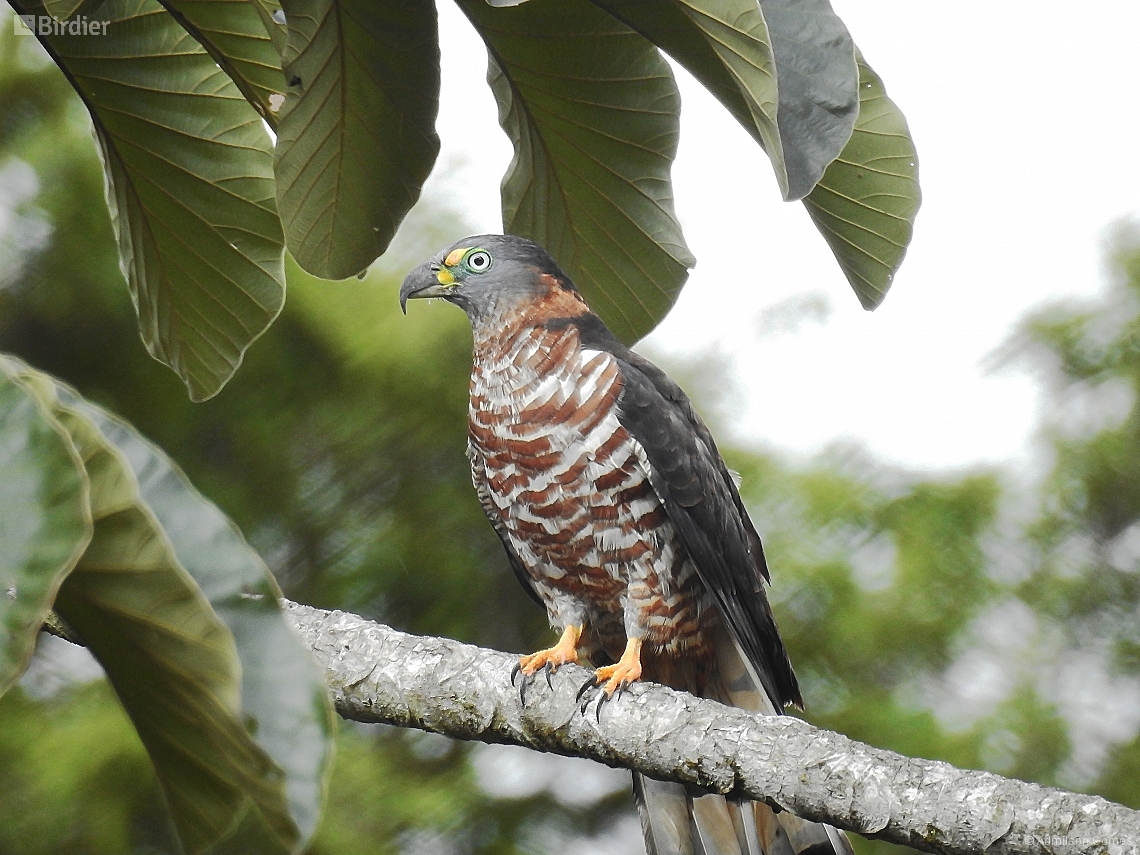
(610, 681)
(549, 660)
(627, 670)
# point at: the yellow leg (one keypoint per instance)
(627, 669)
(566, 650)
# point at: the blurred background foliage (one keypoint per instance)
(987, 618)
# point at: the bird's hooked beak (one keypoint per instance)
(430, 279)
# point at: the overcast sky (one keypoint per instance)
(1026, 117)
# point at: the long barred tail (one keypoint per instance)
(679, 820)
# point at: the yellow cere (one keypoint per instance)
(444, 277)
(455, 256)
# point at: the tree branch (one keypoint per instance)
(380, 675)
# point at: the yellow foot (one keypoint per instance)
(566, 650)
(626, 671)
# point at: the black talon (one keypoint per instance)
(548, 669)
(602, 698)
(515, 672)
(522, 690)
(589, 698)
(585, 688)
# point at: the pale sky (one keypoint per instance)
(1027, 122)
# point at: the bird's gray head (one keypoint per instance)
(488, 276)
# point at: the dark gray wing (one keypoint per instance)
(693, 483)
(479, 479)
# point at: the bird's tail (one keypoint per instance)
(681, 820)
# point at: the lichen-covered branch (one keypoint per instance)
(380, 675)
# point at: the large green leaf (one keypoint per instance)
(171, 660)
(45, 523)
(189, 184)
(866, 203)
(194, 696)
(819, 98)
(237, 36)
(724, 44)
(784, 68)
(591, 108)
(284, 698)
(356, 138)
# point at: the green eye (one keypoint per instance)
(478, 261)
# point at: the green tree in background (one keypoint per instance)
(228, 132)
(1080, 569)
(337, 449)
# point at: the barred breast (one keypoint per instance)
(571, 487)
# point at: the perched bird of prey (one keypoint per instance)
(620, 517)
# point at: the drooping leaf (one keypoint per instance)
(189, 184)
(171, 658)
(239, 39)
(45, 523)
(819, 91)
(283, 695)
(356, 138)
(784, 68)
(866, 203)
(591, 108)
(725, 45)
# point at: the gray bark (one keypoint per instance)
(377, 674)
